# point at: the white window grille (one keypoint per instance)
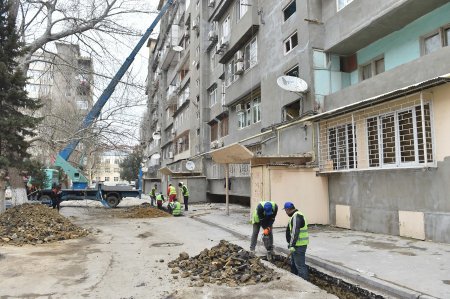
(342, 147)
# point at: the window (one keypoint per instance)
(242, 8)
(290, 43)
(107, 161)
(116, 170)
(371, 69)
(116, 179)
(230, 75)
(343, 3)
(226, 26)
(82, 105)
(294, 72)
(213, 96)
(250, 113)
(224, 127)
(342, 147)
(289, 10)
(251, 54)
(214, 131)
(397, 138)
(107, 170)
(106, 178)
(436, 40)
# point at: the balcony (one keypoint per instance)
(363, 22)
(418, 70)
(241, 33)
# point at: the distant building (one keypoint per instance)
(107, 168)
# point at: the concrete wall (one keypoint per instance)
(197, 188)
(308, 192)
(391, 201)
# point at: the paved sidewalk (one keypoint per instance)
(400, 267)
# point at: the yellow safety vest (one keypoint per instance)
(303, 237)
(255, 213)
(176, 208)
(172, 190)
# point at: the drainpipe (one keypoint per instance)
(424, 139)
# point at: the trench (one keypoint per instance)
(331, 284)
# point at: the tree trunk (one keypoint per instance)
(18, 192)
(2, 194)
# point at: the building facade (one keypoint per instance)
(107, 169)
(369, 66)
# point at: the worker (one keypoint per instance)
(159, 200)
(171, 192)
(185, 192)
(56, 196)
(264, 216)
(298, 239)
(153, 195)
(175, 207)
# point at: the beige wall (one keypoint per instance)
(308, 192)
(441, 121)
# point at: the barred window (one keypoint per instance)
(342, 147)
(397, 139)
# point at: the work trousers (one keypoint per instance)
(159, 203)
(152, 200)
(256, 227)
(56, 203)
(172, 197)
(186, 199)
(298, 262)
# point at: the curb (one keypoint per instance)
(373, 282)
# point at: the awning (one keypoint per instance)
(282, 160)
(232, 154)
(392, 95)
(166, 171)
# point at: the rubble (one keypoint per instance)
(36, 224)
(142, 211)
(225, 263)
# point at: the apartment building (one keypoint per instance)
(373, 110)
(107, 169)
(63, 82)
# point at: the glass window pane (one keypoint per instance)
(290, 10)
(379, 66)
(372, 142)
(247, 57)
(447, 37)
(432, 43)
(294, 72)
(388, 138)
(287, 45)
(367, 71)
(253, 53)
(406, 136)
(294, 40)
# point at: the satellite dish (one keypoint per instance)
(156, 136)
(155, 156)
(190, 165)
(178, 48)
(291, 83)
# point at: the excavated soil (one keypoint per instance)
(36, 224)
(143, 211)
(225, 263)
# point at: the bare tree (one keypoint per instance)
(102, 28)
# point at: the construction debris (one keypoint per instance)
(225, 263)
(36, 224)
(143, 211)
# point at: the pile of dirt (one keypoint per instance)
(142, 211)
(225, 263)
(36, 224)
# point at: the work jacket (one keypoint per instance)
(185, 190)
(259, 215)
(172, 190)
(297, 230)
(176, 208)
(153, 192)
(159, 197)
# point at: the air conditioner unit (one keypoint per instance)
(239, 68)
(224, 41)
(170, 155)
(195, 25)
(239, 56)
(212, 35)
(211, 3)
(218, 49)
(180, 140)
(238, 107)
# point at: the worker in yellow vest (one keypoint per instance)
(171, 192)
(185, 193)
(298, 239)
(264, 216)
(175, 207)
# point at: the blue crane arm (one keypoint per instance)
(95, 111)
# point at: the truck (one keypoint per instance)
(109, 195)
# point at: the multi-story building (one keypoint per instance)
(107, 169)
(373, 110)
(62, 81)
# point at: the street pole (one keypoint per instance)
(227, 196)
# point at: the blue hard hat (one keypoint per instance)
(268, 209)
(288, 205)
